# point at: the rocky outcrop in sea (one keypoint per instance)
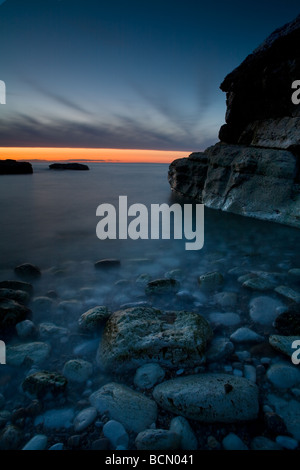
(255, 168)
(69, 166)
(12, 167)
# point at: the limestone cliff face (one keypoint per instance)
(255, 168)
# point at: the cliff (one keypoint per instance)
(255, 168)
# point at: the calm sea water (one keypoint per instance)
(50, 217)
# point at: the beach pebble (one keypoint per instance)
(19, 296)
(77, 370)
(84, 418)
(274, 423)
(67, 307)
(288, 293)
(264, 310)
(288, 323)
(245, 335)
(226, 299)
(17, 285)
(37, 442)
(10, 438)
(283, 375)
(233, 442)
(27, 272)
(42, 305)
(58, 446)
(162, 286)
(263, 443)
(181, 426)
(100, 444)
(143, 279)
(211, 281)
(116, 434)
(258, 283)
(94, 319)
(250, 372)
(209, 397)
(41, 383)
(284, 344)
(107, 263)
(225, 319)
(219, 348)
(132, 409)
(61, 418)
(157, 439)
(26, 329)
(36, 352)
(289, 410)
(48, 330)
(287, 442)
(148, 375)
(11, 313)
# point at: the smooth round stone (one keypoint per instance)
(48, 330)
(17, 285)
(289, 293)
(283, 375)
(162, 286)
(219, 348)
(27, 272)
(107, 263)
(209, 397)
(66, 307)
(225, 319)
(35, 352)
(289, 410)
(56, 419)
(226, 299)
(258, 283)
(263, 310)
(211, 281)
(116, 434)
(43, 304)
(132, 409)
(148, 375)
(263, 443)
(77, 370)
(38, 442)
(18, 295)
(143, 279)
(181, 426)
(245, 335)
(157, 439)
(174, 274)
(10, 438)
(233, 442)
(284, 344)
(287, 442)
(58, 446)
(250, 372)
(26, 329)
(84, 418)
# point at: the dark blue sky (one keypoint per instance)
(124, 74)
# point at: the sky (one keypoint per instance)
(118, 74)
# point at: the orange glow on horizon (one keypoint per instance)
(87, 154)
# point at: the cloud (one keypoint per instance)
(126, 132)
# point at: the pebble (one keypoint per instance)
(226, 299)
(287, 442)
(243, 355)
(284, 344)
(58, 446)
(27, 271)
(77, 370)
(263, 310)
(219, 348)
(148, 375)
(162, 286)
(43, 305)
(157, 439)
(56, 419)
(274, 423)
(10, 438)
(100, 444)
(233, 442)
(132, 409)
(263, 443)
(26, 329)
(48, 330)
(35, 352)
(258, 283)
(289, 293)
(245, 335)
(283, 375)
(38, 442)
(211, 281)
(289, 410)
(250, 373)
(116, 434)
(181, 426)
(237, 373)
(84, 418)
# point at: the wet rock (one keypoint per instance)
(226, 299)
(250, 373)
(288, 323)
(258, 283)
(41, 383)
(181, 426)
(174, 274)
(264, 310)
(220, 348)
(100, 444)
(233, 442)
(283, 375)
(133, 337)
(162, 286)
(26, 329)
(211, 281)
(288, 293)
(19, 296)
(132, 409)
(283, 344)
(17, 285)
(107, 263)
(157, 439)
(11, 313)
(94, 319)
(287, 442)
(5, 417)
(27, 272)
(56, 419)
(77, 370)
(245, 335)
(274, 423)
(289, 410)
(43, 304)
(209, 397)
(143, 279)
(10, 438)
(148, 375)
(84, 418)
(116, 434)
(57, 446)
(263, 443)
(35, 353)
(2, 400)
(68, 307)
(50, 330)
(37, 442)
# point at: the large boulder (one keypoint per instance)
(254, 170)
(140, 335)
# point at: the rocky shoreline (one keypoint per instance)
(202, 369)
